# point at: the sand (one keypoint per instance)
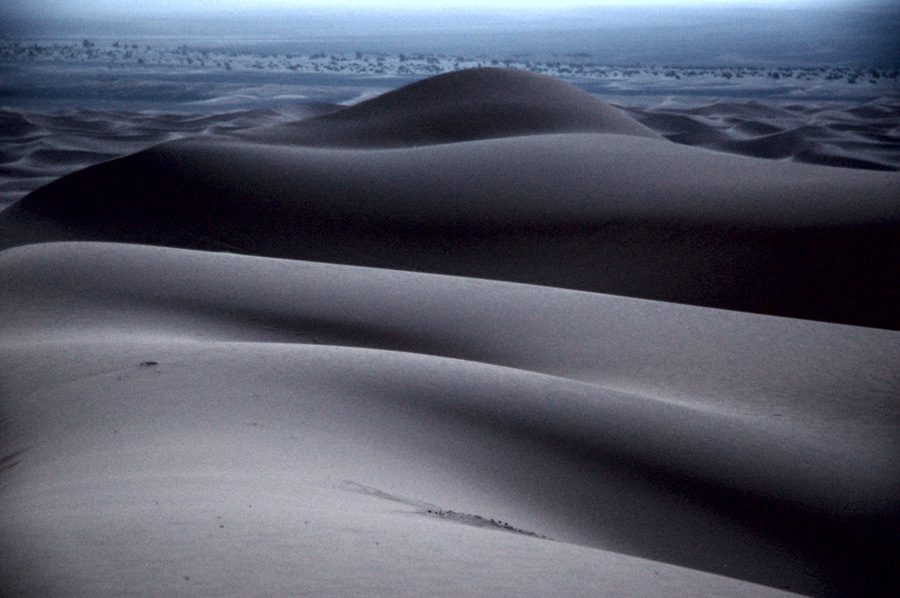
(389, 352)
(40, 144)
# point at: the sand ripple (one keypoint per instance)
(850, 136)
(36, 148)
(865, 136)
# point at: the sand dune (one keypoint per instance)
(851, 135)
(392, 412)
(618, 211)
(37, 148)
(831, 134)
(460, 106)
(726, 443)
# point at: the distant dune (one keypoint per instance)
(859, 136)
(461, 106)
(482, 335)
(38, 146)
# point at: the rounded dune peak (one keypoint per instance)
(466, 105)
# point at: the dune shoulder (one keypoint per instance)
(466, 105)
(481, 334)
(137, 378)
(599, 212)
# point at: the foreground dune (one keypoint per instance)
(354, 421)
(153, 398)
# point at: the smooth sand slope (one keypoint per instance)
(354, 422)
(39, 147)
(591, 203)
(152, 394)
(459, 106)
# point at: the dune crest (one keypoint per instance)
(261, 391)
(861, 136)
(464, 105)
(595, 212)
(366, 404)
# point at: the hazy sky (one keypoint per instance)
(20, 16)
(113, 7)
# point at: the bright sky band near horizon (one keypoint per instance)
(136, 7)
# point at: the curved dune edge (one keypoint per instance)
(849, 135)
(596, 212)
(835, 134)
(352, 420)
(544, 184)
(460, 106)
(135, 379)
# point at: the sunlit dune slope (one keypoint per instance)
(259, 425)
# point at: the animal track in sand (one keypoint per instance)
(429, 509)
(10, 460)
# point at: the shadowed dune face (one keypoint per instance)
(754, 448)
(596, 212)
(863, 136)
(364, 410)
(715, 442)
(38, 148)
(460, 106)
